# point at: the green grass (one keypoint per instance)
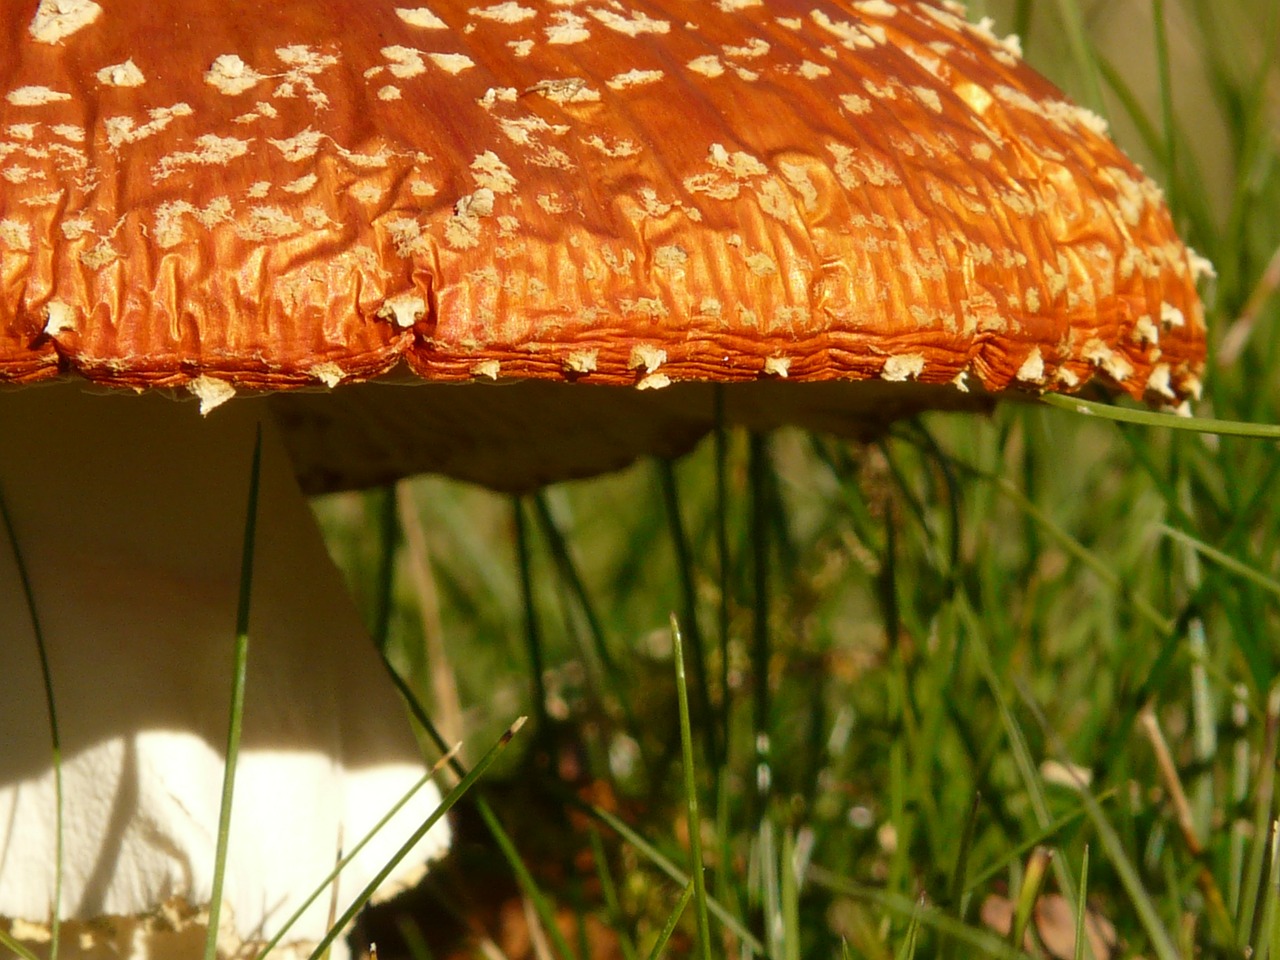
(891, 648)
(235, 725)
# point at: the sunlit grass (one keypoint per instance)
(235, 724)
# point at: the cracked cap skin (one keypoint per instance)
(594, 210)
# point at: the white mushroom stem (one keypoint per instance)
(129, 513)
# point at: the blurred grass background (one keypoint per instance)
(1005, 668)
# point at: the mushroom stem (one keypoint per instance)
(128, 513)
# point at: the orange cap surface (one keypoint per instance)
(223, 195)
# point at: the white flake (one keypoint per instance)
(567, 28)
(405, 61)
(581, 361)
(55, 19)
(1101, 355)
(453, 63)
(124, 74)
(1032, 369)
(490, 172)
(777, 366)
(302, 146)
(1159, 381)
(211, 392)
(231, 75)
(330, 374)
(647, 357)
(708, 65)
(632, 26)
(653, 381)
(509, 12)
(15, 235)
(210, 149)
(60, 317)
(421, 17)
(902, 366)
(34, 96)
(1171, 316)
(634, 78)
(122, 130)
(1201, 267)
(404, 309)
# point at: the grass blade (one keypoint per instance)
(1149, 418)
(1083, 948)
(525, 879)
(1045, 835)
(235, 725)
(1241, 775)
(352, 854)
(790, 899)
(1025, 763)
(1032, 880)
(1082, 55)
(722, 559)
(440, 670)
(487, 814)
(19, 949)
(567, 567)
(1214, 902)
(978, 942)
(673, 872)
(908, 949)
(691, 796)
(609, 890)
(1264, 799)
(1169, 149)
(1264, 931)
(670, 926)
(1224, 560)
(1128, 874)
(1204, 723)
(450, 799)
(959, 876)
(759, 469)
(684, 570)
(532, 633)
(762, 881)
(1080, 552)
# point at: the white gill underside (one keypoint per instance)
(129, 514)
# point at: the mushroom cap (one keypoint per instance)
(877, 200)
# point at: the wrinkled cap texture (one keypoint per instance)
(856, 210)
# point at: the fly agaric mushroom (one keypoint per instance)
(850, 211)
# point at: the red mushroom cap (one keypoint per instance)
(226, 196)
